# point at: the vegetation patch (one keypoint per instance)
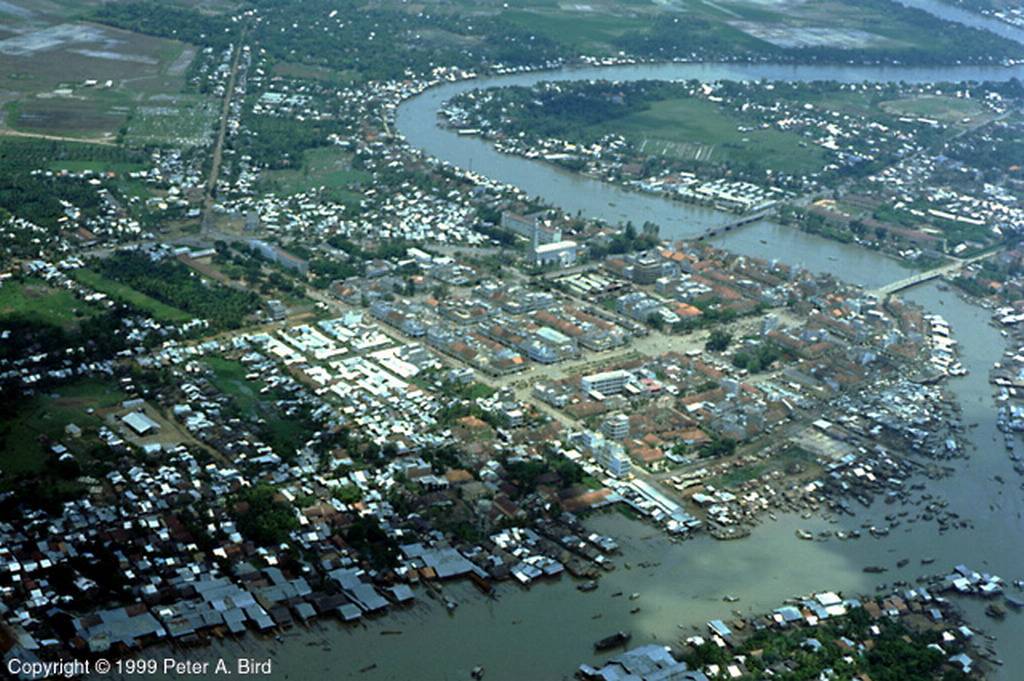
(129, 296)
(36, 301)
(29, 426)
(328, 168)
(229, 377)
(175, 285)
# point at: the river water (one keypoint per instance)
(545, 632)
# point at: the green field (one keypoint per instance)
(98, 115)
(941, 108)
(326, 167)
(37, 301)
(283, 433)
(310, 72)
(46, 416)
(129, 296)
(737, 476)
(589, 32)
(229, 378)
(698, 130)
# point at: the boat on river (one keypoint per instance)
(995, 611)
(619, 638)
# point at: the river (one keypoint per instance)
(545, 632)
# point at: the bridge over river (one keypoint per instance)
(739, 222)
(921, 277)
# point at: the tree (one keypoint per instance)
(348, 494)
(570, 472)
(718, 341)
(717, 447)
(367, 537)
(261, 517)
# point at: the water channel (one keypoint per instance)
(545, 632)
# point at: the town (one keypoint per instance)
(273, 367)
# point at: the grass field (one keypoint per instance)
(284, 434)
(96, 166)
(129, 296)
(229, 378)
(309, 72)
(738, 476)
(699, 130)
(35, 300)
(46, 416)
(326, 167)
(589, 32)
(594, 27)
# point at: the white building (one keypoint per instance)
(140, 423)
(615, 460)
(606, 383)
(616, 427)
(561, 253)
(610, 455)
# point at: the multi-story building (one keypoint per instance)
(616, 427)
(606, 382)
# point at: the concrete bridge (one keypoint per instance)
(921, 277)
(739, 222)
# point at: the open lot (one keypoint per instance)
(65, 77)
(327, 167)
(37, 301)
(45, 416)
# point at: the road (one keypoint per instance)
(58, 138)
(218, 147)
